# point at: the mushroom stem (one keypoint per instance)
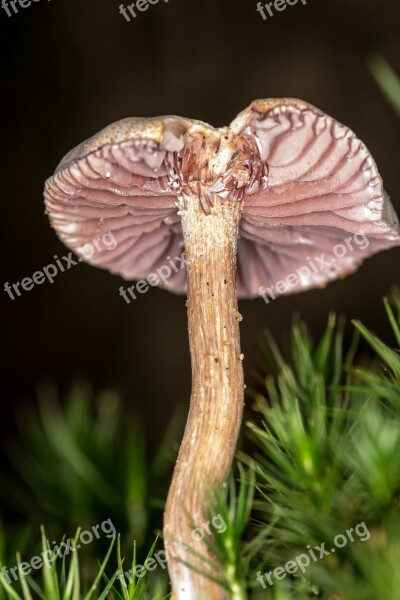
(217, 398)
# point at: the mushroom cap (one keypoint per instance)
(313, 201)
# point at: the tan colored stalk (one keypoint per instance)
(216, 404)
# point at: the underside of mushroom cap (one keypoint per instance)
(323, 210)
(312, 199)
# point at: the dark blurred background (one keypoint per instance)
(68, 68)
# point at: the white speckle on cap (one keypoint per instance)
(70, 228)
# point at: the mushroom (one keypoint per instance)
(284, 183)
